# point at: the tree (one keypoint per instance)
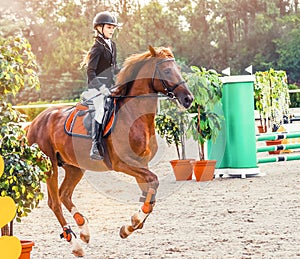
(55, 31)
(288, 47)
(152, 24)
(205, 33)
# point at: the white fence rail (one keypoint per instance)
(46, 105)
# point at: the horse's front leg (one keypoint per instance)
(138, 219)
(148, 183)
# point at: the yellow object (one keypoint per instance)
(10, 247)
(1, 165)
(7, 210)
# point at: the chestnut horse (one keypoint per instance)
(129, 147)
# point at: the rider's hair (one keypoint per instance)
(85, 59)
(86, 55)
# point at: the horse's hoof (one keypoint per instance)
(135, 220)
(76, 248)
(78, 253)
(123, 233)
(85, 238)
(140, 226)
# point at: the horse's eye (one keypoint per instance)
(167, 71)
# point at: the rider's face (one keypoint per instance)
(108, 30)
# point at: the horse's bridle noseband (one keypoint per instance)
(167, 88)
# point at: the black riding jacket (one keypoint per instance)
(102, 63)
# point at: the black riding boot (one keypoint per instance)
(96, 151)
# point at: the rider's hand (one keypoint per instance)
(104, 90)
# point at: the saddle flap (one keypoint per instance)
(109, 116)
(74, 123)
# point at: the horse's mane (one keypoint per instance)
(133, 64)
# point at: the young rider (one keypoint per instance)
(101, 67)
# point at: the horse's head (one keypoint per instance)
(167, 77)
(158, 67)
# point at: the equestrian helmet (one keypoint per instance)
(104, 18)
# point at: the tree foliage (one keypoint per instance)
(17, 65)
(24, 165)
(205, 125)
(205, 33)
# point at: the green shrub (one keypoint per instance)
(25, 165)
(294, 97)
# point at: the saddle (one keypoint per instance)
(79, 120)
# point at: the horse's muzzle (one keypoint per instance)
(187, 101)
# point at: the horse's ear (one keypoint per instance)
(152, 50)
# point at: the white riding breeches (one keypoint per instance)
(98, 97)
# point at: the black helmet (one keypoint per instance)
(104, 18)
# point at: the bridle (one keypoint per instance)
(169, 89)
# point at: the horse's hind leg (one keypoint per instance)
(73, 176)
(53, 198)
(54, 203)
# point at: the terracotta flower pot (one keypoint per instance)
(26, 249)
(272, 143)
(182, 169)
(262, 129)
(204, 170)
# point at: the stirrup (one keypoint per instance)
(96, 157)
(94, 154)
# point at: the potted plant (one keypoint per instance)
(261, 95)
(24, 165)
(272, 99)
(205, 125)
(170, 124)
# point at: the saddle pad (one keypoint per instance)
(74, 125)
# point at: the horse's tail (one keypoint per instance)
(26, 127)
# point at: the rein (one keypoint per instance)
(131, 96)
(137, 96)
